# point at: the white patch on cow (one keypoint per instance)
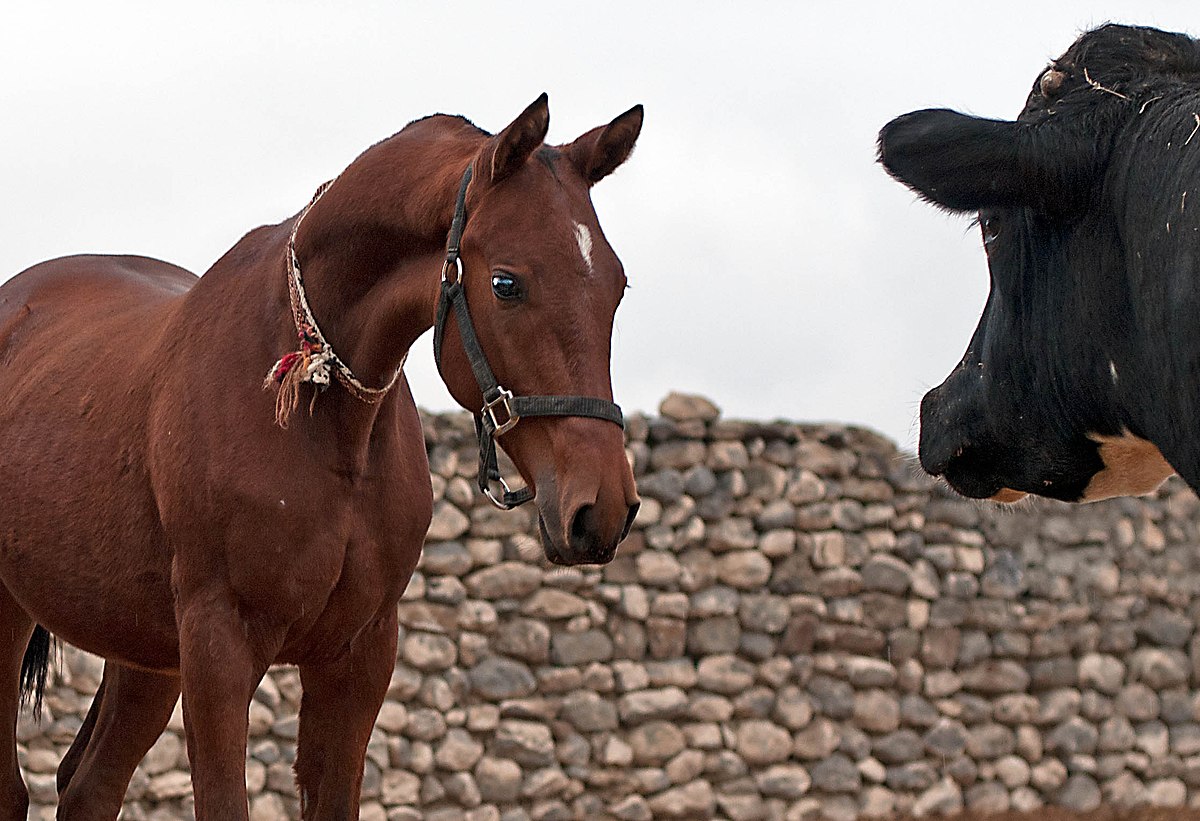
(584, 237)
(1112, 368)
(1132, 467)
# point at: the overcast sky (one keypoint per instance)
(774, 267)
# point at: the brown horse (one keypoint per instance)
(153, 512)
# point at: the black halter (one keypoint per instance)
(501, 410)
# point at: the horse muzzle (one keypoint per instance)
(580, 531)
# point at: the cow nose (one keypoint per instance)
(938, 446)
(933, 463)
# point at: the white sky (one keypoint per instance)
(775, 267)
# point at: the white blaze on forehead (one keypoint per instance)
(584, 237)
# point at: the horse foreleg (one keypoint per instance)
(14, 798)
(135, 705)
(341, 700)
(220, 672)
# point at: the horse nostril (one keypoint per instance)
(581, 528)
(629, 517)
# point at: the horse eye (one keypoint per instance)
(505, 286)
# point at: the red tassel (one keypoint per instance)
(285, 364)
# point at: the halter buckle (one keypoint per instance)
(507, 420)
(457, 262)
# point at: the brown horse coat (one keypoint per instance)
(151, 510)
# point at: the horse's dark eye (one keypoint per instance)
(505, 286)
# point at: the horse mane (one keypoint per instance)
(460, 118)
(462, 122)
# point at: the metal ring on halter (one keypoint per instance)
(446, 269)
(500, 503)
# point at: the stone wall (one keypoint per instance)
(798, 626)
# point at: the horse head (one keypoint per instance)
(542, 285)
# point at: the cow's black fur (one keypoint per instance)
(1090, 208)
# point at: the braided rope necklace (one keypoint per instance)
(315, 362)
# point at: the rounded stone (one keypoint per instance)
(686, 407)
(863, 671)
(1101, 672)
(657, 568)
(787, 781)
(448, 522)
(643, 705)
(761, 742)
(1166, 792)
(1080, 793)
(686, 766)
(498, 779)
(580, 648)
(793, 709)
(588, 712)
(886, 573)
(551, 603)
(899, 747)
(400, 787)
(744, 569)
(526, 742)
(525, 639)
(816, 741)
(507, 580)
(693, 800)
(726, 674)
(497, 678)
(877, 711)
(458, 751)
(835, 774)
(655, 742)
(942, 798)
(429, 651)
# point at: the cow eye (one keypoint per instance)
(505, 286)
(990, 228)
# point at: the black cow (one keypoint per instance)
(1082, 380)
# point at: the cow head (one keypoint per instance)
(1049, 397)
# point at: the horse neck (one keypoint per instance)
(370, 252)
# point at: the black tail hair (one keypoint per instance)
(34, 667)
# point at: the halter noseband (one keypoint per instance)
(501, 410)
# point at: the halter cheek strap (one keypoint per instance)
(501, 410)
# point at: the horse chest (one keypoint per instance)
(345, 583)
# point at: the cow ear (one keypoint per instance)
(965, 163)
(959, 162)
(508, 150)
(600, 151)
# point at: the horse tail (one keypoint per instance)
(34, 667)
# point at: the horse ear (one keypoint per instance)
(512, 146)
(598, 152)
